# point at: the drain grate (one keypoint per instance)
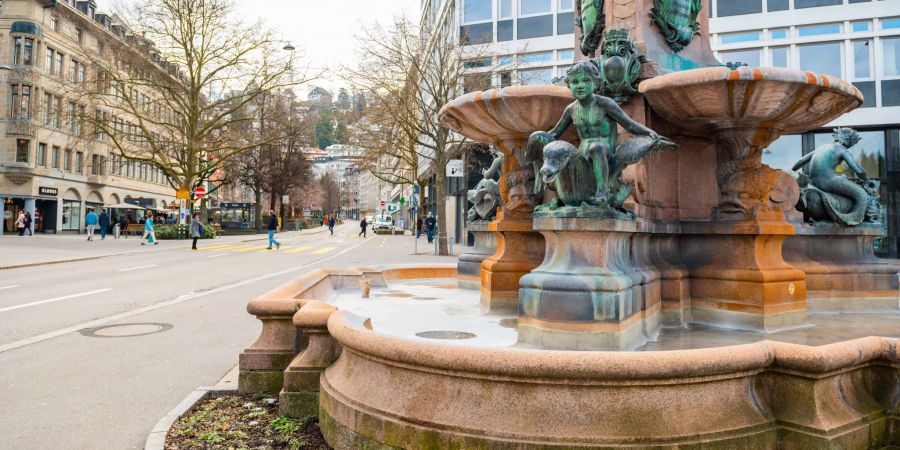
(126, 329)
(447, 335)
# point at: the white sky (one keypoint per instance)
(323, 30)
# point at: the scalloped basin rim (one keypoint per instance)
(685, 98)
(350, 331)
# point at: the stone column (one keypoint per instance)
(299, 397)
(29, 208)
(262, 364)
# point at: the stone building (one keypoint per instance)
(50, 163)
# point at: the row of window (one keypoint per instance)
(71, 161)
(485, 21)
(823, 29)
(726, 8)
(487, 10)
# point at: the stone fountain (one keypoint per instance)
(655, 227)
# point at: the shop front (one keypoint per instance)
(42, 208)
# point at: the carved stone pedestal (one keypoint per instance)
(519, 249)
(595, 290)
(842, 271)
(468, 272)
(739, 278)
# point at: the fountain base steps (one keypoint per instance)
(468, 268)
(519, 250)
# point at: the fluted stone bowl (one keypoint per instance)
(513, 112)
(772, 101)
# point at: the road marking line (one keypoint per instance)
(66, 297)
(136, 268)
(9, 287)
(322, 251)
(298, 249)
(217, 247)
(216, 256)
(175, 301)
(246, 248)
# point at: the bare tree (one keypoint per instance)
(407, 75)
(330, 194)
(171, 91)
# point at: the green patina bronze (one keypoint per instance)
(589, 18)
(677, 20)
(619, 66)
(589, 176)
(829, 197)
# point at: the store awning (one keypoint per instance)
(124, 206)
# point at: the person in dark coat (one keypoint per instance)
(273, 227)
(331, 224)
(104, 224)
(430, 227)
(362, 227)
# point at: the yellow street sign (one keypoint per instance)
(183, 194)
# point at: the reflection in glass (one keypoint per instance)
(818, 30)
(748, 57)
(779, 56)
(784, 152)
(536, 76)
(821, 58)
(891, 59)
(861, 59)
(476, 10)
(534, 7)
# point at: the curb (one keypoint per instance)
(157, 438)
(86, 258)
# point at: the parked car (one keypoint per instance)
(383, 223)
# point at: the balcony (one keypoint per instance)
(21, 127)
(23, 74)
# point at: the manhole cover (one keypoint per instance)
(445, 335)
(393, 294)
(425, 298)
(126, 329)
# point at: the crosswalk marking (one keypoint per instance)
(298, 249)
(323, 250)
(217, 247)
(246, 248)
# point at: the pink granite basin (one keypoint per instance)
(512, 112)
(773, 101)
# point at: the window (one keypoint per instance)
(23, 51)
(749, 57)
(74, 70)
(537, 26)
(565, 55)
(565, 5)
(821, 58)
(529, 7)
(82, 73)
(56, 118)
(476, 11)
(778, 34)
(79, 35)
(481, 33)
(734, 38)
(504, 9)
(818, 30)
(777, 5)
(504, 30)
(20, 95)
(815, 3)
(890, 24)
(73, 112)
(67, 160)
(536, 76)
(784, 152)
(96, 164)
(891, 56)
(54, 157)
(58, 69)
(726, 8)
(505, 79)
(79, 162)
(860, 26)
(779, 56)
(477, 63)
(862, 61)
(22, 150)
(54, 23)
(536, 57)
(48, 60)
(42, 155)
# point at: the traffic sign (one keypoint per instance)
(402, 201)
(182, 194)
(200, 192)
(382, 203)
(455, 168)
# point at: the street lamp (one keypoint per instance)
(288, 47)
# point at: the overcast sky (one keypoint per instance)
(322, 29)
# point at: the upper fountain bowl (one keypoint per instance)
(773, 101)
(513, 112)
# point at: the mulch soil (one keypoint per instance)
(243, 422)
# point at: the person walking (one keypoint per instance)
(104, 224)
(331, 225)
(362, 225)
(91, 221)
(273, 227)
(418, 227)
(20, 222)
(430, 226)
(196, 230)
(149, 234)
(122, 225)
(29, 227)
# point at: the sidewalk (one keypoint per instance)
(24, 251)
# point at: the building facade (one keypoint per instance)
(857, 40)
(50, 164)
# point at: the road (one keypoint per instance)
(62, 387)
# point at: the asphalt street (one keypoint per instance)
(64, 385)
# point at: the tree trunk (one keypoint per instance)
(258, 208)
(440, 206)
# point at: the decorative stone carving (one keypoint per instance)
(588, 178)
(677, 20)
(21, 127)
(485, 198)
(591, 21)
(19, 178)
(832, 198)
(619, 66)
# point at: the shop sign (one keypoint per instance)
(49, 191)
(182, 194)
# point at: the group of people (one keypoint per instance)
(23, 223)
(329, 221)
(429, 225)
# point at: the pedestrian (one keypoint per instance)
(123, 225)
(273, 227)
(149, 234)
(91, 221)
(331, 225)
(196, 230)
(362, 225)
(104, 224)
(418, 227)
(20, 222)
(430, 227)
(28, 224)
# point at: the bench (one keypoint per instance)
(134, 228)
